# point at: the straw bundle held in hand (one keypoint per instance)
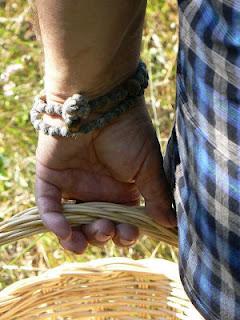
(28, 223)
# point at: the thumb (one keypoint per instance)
(48, 199)
(152, 184)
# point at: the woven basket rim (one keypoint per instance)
(156, 266)
(160, 273)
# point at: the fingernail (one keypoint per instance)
(76, 244)
(101, 237)
(125, 242)
(63, 236)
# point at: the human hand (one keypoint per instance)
(113, 164)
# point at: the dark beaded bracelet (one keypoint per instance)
(78, 107)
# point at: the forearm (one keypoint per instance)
(89, 46)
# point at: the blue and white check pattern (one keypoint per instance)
(202, 160)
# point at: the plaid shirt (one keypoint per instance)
(202, 160)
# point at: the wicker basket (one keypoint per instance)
(115, 288)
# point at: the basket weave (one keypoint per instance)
(105, 289)
(117, 288)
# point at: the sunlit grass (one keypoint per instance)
(20, 80)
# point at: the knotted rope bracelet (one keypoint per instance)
(78, 107)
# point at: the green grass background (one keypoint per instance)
(21, 79)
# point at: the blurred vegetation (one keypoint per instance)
(20, 79)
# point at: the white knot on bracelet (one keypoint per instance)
(74, 109)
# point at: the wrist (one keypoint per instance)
(89, 47)
(60, 83)
(78, 108)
